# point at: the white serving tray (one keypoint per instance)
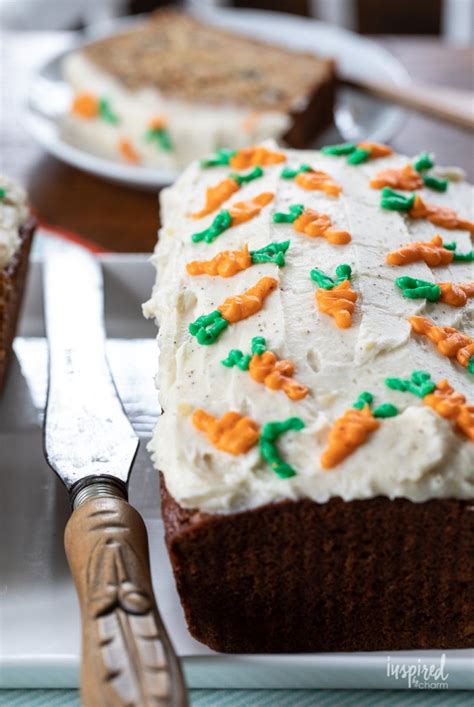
(39, 617)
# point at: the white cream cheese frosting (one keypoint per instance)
(417, 454)
(13, 214)
(193, 128)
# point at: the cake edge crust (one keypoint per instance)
(298, 576)
(12, 286)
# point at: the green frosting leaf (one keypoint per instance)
(343, 272)
(221, 157)
(435, 183)
(345, 148)
(420, 384)
(365, 398)
(290, 173)
(271, 431)
(161, 137)
(393, 201)
(258, 345)
(414, 288)
(237, 358)
(208, 327)
(255, 173)
(294, 210)
(385, 410)
(271, 253)
(423, 162)
(221, 223)
(358, 156)
(106, 112)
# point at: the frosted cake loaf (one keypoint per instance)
(316, 370)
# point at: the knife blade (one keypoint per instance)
(127, 656)
(86, 430)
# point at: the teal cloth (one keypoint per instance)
(264, 698)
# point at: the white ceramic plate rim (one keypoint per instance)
(252, 22)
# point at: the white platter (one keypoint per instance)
(357, 116)
(39, 618)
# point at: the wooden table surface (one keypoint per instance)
(122, 219)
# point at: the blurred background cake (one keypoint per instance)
(169, 89)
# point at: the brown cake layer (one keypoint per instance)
(188, 59)
(365, 575)
(12, 284)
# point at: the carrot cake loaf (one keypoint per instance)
(316, 334)
(16, 231)
(166, 90)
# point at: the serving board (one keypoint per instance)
(39, 617)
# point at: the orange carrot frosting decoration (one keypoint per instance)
(276, 375)
(311, 179)
(315, 224)
(229, 262)
(256, 156)
(417, 208)
(452, 405)
(356, 154)
(439, 215)
(405, 178)
(233, 433)
(336, 296)
(354, 427)
(318, 180)
(312, 223)
(411, 177)
(85, 105)
(456, 294)
(449, 341)
(157, 123)
(236, 214)
(265, 368)
(441, 397)
(225, 264)
(338, 303)
(433, 253)
(127, 151)
(234, 309)
(208, 327)
(243, 211)
(216, 195)
(375, 149)
(348, 433)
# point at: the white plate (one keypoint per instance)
(357, 116)
(39, 618)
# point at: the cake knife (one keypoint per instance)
(127, 656)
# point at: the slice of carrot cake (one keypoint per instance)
(169, 89)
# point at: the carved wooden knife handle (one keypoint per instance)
(127, 657)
